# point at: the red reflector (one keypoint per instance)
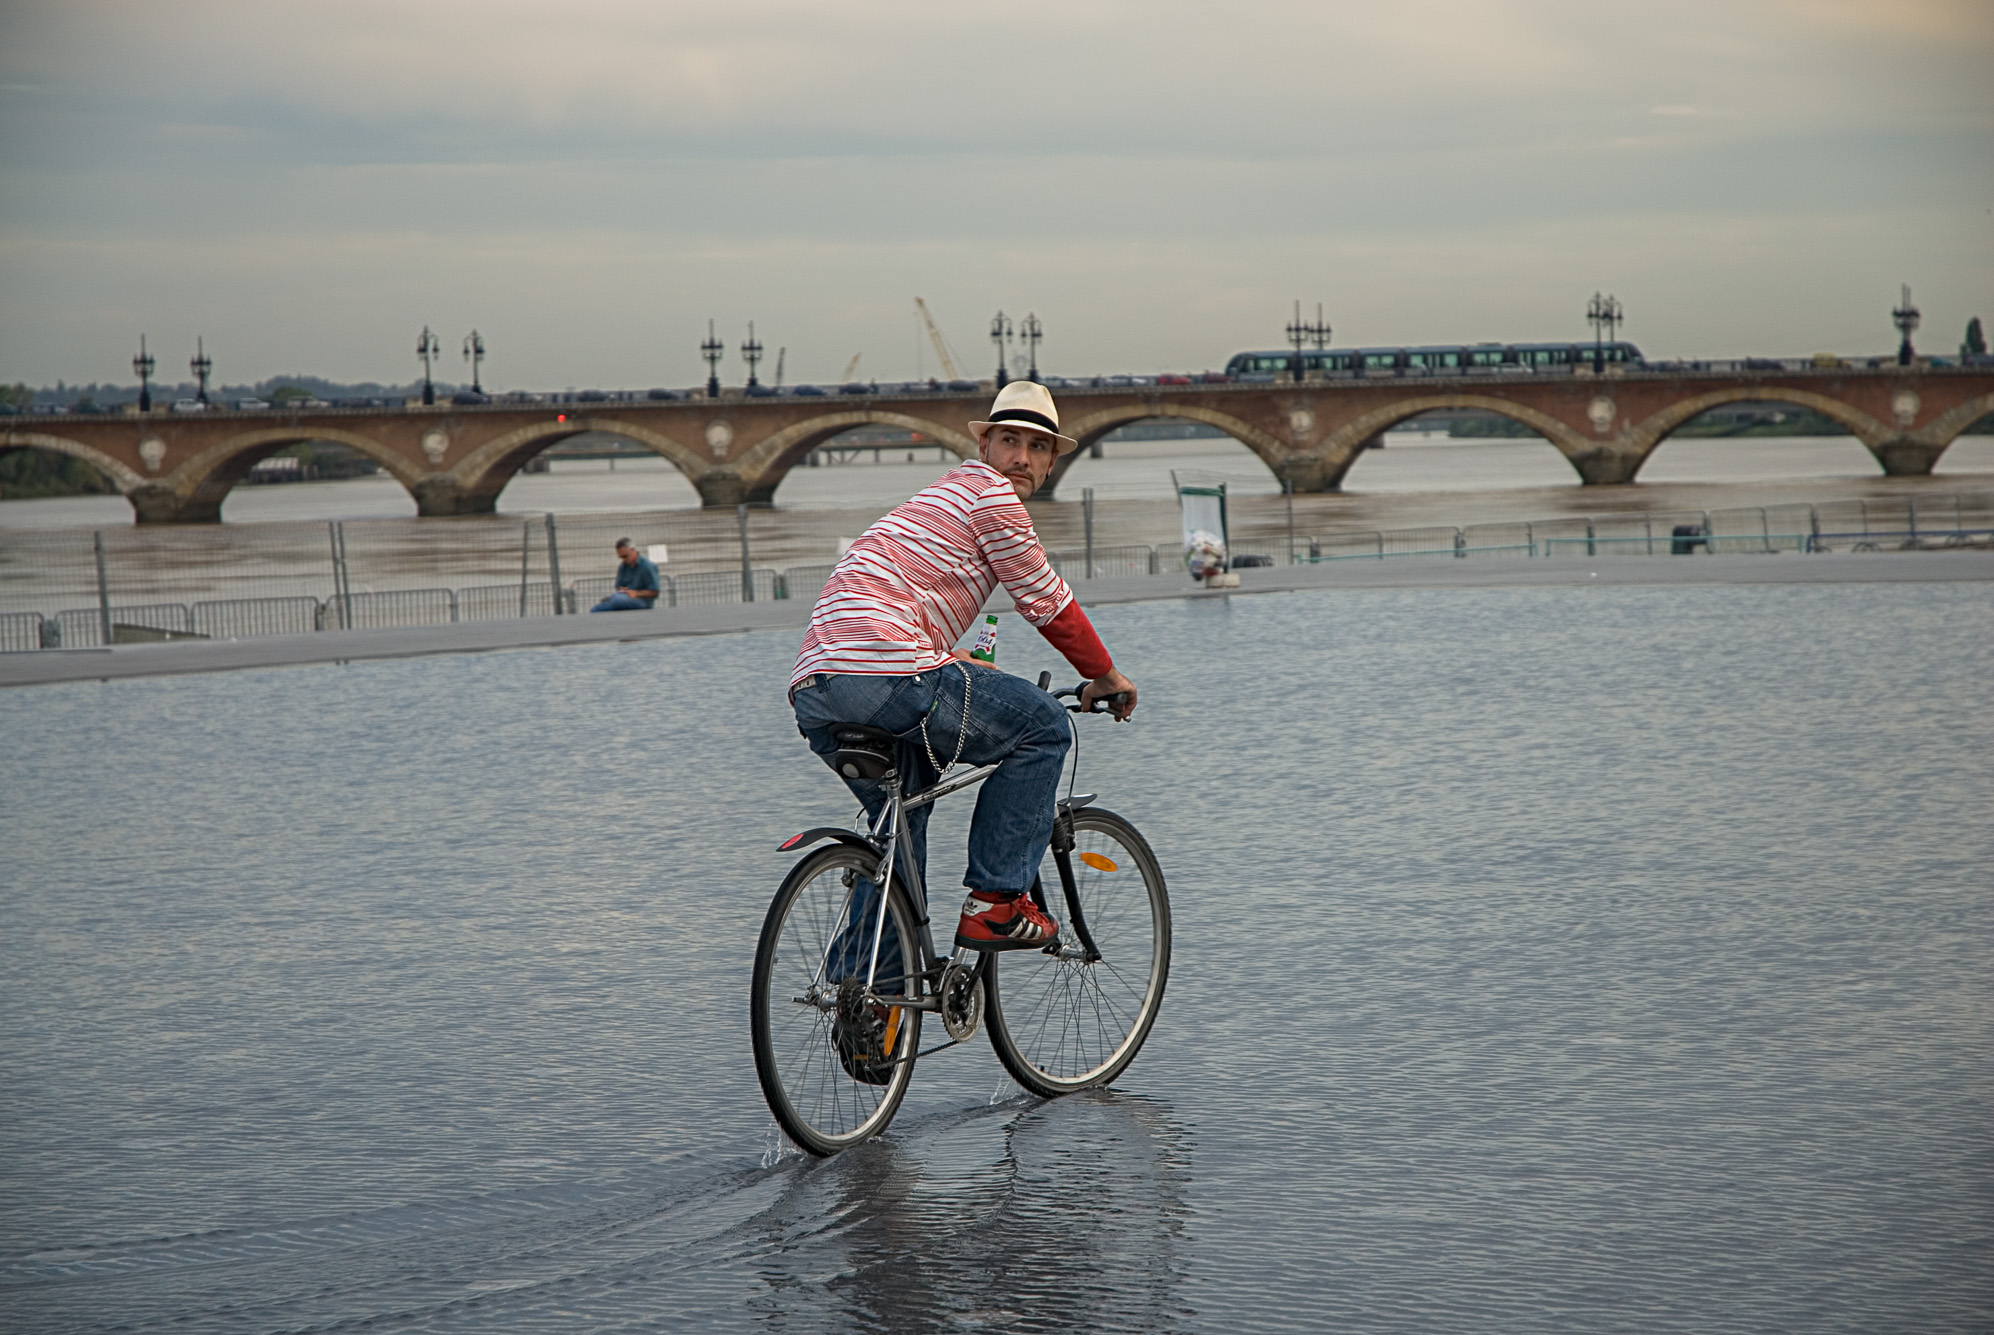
(561, 418)
(788, 843)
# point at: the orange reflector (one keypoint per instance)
(892, 1028)
(1097, 862)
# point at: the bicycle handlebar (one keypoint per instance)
(1073, 693)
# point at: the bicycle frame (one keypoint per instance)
(888, 835)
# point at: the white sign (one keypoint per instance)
(153, 451)
(436, 445)
(658, 555)
(718, 437)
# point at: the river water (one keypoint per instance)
(1547, 960)
(1415, 469)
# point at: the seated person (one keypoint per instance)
(636, 582)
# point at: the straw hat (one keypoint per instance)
(1026, 403)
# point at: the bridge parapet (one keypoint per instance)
(456, 459)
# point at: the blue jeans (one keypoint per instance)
(623, 602)
(1012, 724)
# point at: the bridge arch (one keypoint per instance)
(1341, 448)
(121, 475)
(473, 485)
(1093, 426)
(1950, 426)
(1647, 435)
(763, 467)
(194, 491)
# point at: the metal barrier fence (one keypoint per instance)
(1118, 562)
(243, 618)
(62, 587)
(20, 631)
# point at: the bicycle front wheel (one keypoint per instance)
(1058, 1022)
(833, 1054)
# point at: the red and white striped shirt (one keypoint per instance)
(913, 582)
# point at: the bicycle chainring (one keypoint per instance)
(961, 997)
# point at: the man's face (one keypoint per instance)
(1021, 454)
(628, 555)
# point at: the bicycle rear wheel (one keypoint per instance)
(834, 1061)
(1058, 1023)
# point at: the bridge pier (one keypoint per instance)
(722, 490)
(1904, 457)
(437, 497)
(157, 503)
(1603, 467)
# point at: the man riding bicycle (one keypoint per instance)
(880, 652)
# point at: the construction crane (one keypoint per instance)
(935, 337)
(851, 367)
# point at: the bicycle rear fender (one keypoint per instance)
(822, 832)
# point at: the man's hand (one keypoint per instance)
(962, 656)
(1112, 684)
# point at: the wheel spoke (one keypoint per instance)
(1062, 1024)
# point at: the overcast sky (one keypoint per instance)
(307, 185)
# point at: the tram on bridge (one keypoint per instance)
(1436, 359)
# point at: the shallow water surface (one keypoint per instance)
(1584, 960)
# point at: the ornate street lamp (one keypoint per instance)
(1906, 318)
(474, 352)
(713, 350)
(428, 347)
(1000, 334)
(1031, 332)
(1319, 331)
(751, 353)
(200, 365)
(1297, 334)
(143, 364)
(1604, 313)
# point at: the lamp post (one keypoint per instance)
(713, 350)
(428, 347)
(1604, 313)
(1000, 334)
(1906, 318)
(751, 353)
(474, 352)
(200, 365)
(143, 365)
(1319, 331)
(1031, 332)
(1297, 334)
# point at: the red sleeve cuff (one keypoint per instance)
(1073, 635)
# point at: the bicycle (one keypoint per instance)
(846, 967)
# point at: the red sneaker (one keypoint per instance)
(996, 921)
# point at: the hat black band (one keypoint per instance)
(1025, 415)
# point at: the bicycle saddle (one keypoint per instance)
(863, 753)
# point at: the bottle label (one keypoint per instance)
(985, 649)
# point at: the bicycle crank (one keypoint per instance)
(960, 993)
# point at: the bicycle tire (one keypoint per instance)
(824, 1095)
(1063, 1025)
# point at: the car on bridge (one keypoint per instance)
(189, 406)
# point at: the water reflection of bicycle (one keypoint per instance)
(846, 968)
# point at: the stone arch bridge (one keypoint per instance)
(177, 467)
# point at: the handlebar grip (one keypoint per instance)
(1117, 698)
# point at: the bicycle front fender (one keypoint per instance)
(823, 832)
